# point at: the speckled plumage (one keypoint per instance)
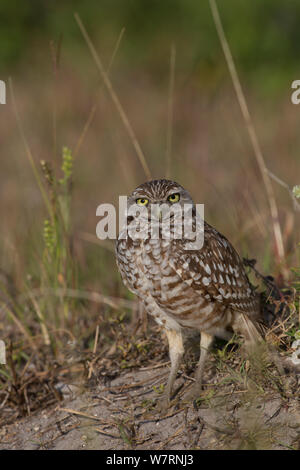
(206, 289)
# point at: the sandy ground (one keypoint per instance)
(122, 416)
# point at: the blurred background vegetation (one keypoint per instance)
(264, 36)
(56, 85)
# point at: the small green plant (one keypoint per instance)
(57, 270)
(159, 390)
(205, 398)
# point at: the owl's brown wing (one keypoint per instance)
(216, 272)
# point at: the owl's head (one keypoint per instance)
(164, 194)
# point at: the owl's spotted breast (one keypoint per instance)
(196, 288)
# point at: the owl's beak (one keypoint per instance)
(157, 212)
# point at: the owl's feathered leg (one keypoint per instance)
(176, 351)
(205, 343)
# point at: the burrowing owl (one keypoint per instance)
(204, 288)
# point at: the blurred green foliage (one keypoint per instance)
(264, 35)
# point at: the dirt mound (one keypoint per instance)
(122, 416)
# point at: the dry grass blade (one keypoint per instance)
(94, 107)
(83, 415)
(40, 315)
(55, 54)
(170, 111)
(114, 97)
(28, 151)
(171, 438)
(20, 327)
(250, 128)
(157, 366)
(108, 434)
(158, 418)
(94, 352)
(96, 339)
(89, 237)
(113, 302)
(286, 186)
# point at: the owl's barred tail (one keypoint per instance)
(253, 332)
(249, 329)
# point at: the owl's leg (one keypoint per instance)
(176, 351)
(205, 343)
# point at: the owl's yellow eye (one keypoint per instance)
(174, 197)
(142, 201)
